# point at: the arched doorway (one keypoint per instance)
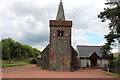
(93, 60)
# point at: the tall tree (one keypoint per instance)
(111, 13)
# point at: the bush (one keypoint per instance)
(33, 61)
(115, 62)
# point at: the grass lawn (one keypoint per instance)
(113, 74)
(12, 63)
(0, 63)
(9, 65)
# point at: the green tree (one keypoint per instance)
(113, 15)
(6, 51)
(0, 50)
(15, 50)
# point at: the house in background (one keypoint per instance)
(91, 56)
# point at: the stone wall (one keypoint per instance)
(100, 62)
(75, 62)
(44, 61)
(60, 47)
(84, 62)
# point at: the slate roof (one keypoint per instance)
(85, 51)
(39, 57)
(60, 14)
(45, 50)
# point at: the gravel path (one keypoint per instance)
(31, 71)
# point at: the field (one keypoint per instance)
(9, 63)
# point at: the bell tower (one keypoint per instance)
(60, 42)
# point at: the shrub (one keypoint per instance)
(115, 62)
(33, 61)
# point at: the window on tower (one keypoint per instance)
(60, 33)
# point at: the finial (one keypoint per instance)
(60, 0)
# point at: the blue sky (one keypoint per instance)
(95, 38)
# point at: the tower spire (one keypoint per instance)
(60, 13)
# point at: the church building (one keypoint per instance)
(91, 56)
(59, 55)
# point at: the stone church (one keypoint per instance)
(59, 55)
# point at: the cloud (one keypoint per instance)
(27, 21)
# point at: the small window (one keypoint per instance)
(60, 33)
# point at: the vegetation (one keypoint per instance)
(13, 63)
(115, 62)
(116, 54)
(113, 74)
(33, 61)
(112, 14)
(14, 53)
(13, 50)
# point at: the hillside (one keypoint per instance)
(15, 50)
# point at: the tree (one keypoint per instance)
(0, 50)
(6, 51)
(15, 50)
(112, 14)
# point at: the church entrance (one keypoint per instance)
(94, 59)
(94, 62)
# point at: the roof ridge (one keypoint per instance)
(89, 45)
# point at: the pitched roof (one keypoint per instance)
(38, 57)
(87, 50)
(46, 50)
(60, 14)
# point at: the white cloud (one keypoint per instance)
(78, 37)
(27, 21)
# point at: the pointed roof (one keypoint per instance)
(60, 14)
(85, 51)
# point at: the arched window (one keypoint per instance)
(60, 33)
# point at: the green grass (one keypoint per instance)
(113, 74)
(10, 65)
(0, 63)
(6, 63)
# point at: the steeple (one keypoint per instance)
(60, 14)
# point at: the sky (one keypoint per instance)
(27, 21)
